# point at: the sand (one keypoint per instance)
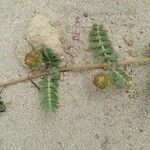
(87, 118)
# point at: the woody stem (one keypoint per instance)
(79, 67)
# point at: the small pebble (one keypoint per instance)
(141, 130)
(141, 32)
(85, 15)
(128, 42)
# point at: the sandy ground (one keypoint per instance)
(87, 118)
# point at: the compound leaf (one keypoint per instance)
(119, 76)
(101, 45)
(49, 58)
(49, 90)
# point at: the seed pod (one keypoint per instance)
(102, 81)
(2, 107)
(32, 59)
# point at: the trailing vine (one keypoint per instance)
(103, 50)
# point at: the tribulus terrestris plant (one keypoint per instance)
(103, 50)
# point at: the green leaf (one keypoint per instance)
(119, 76)
(54, 73)
(2, 107)
(101, 45)
(49, 90)
(49, 58)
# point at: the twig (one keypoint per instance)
(34, 84)
(82, 67)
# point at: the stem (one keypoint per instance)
(83, 67)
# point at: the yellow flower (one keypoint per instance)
(102, 81)
(32, 59)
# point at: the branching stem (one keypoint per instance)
(80, 67)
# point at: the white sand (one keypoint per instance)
(87, 118)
